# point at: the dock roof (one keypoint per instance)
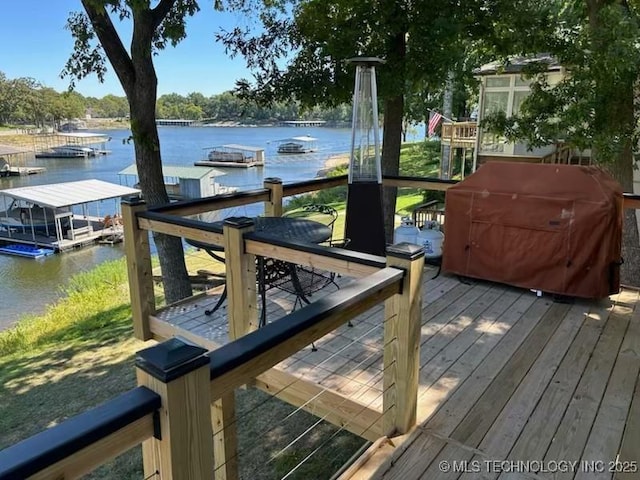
(67, 194)
(302, 138)
(235, 146)
(83, 135)
(179, 171)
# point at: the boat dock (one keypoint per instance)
(23, 171)
(71, 145)
(297, 145)
(169, 122)
(95, 234)
(13, 162)
(46, 216)
(183, 182)
(232, 156)
(302, 123)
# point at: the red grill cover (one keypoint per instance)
(555, 228)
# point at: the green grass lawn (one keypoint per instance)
(80, 353)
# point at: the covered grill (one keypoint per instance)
(555, 228)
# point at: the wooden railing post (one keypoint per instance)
(242, 315)
(402, 315)
(182, 447)
(138, 255)
(273, 207)
(225, 437)
(241, 278)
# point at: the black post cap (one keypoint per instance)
(171, 359)
(272, 180)
(238, 222)
(405, 250)
(132, 200)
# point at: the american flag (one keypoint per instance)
(433, 123)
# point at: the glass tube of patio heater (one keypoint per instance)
(364, 223)
(365, 134)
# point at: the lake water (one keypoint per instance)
(28, 286)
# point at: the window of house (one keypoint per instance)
(501, 93)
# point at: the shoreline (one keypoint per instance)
(333, 162)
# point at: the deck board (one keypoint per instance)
(568, 392)
(480, 417)
(608, 427)
(503, 433)
(504, 375)
(543, 422)
(445, 404)
(495, 318)
(573, 431)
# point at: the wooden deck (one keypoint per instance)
(506, 380)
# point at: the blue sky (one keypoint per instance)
(36, 44)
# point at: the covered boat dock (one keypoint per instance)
(232, 155)
(71, 145)
(57, 216)
(13, 162)
(300, 144)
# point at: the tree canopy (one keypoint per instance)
(25, 101)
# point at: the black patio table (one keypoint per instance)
(276, 228)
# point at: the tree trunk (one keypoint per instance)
(392, 140)
(138, 78)
(147, 149)
(393, 115)
(142, 101)
(447, 111)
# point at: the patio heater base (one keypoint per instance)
(364, 224)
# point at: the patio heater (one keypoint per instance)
(364, 220)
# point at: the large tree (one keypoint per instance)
(301, 50)
(153, 27)
(595, 107)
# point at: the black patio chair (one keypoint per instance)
(301, 281)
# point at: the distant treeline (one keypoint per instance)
(26, 101)
(228, 107)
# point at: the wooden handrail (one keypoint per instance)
(81, 443)
(459, 131)
(313, 185)
(180, 227)
(631, 201)
(417, 182)
(238, 362)
(201, 205)
(338, 260)
(218, 202)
